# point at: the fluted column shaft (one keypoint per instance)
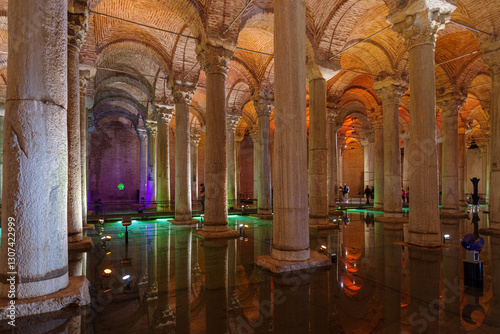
(215, 62)
(35, 137)
(290, 223)
(76, 37)
(378, 158)
(182, 99)
(333, 184)
(318, 151)
(390, 94)
(163, 155)
(419, 31)
(232, 198)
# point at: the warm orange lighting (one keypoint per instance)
(107, 273)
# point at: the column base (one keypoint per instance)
(492, 232)
(85, 245)
(263, 216)
(426, 240)
(184, 222)
(323, 226)
(393, 214)
(76, 293)
(277, 266)
(76, 237)
(463, 204)
(227, 234)
(394, 220)
(334, 212)
(454, 214)
(88, 227)
(318, 220)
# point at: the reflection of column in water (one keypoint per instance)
(424, 289)
(333, 282)
(493, 315)
(183, 239)
(263, 247)
(234, 306)
(392, 294)
(216, 285)
(151, 234)
(379, 262)
(76, 263)
(163, 315)
(319, 304)
(451, 276)
(291, 303)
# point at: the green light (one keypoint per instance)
(121, 186)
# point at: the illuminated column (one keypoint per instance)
(393, 234)
(254, 134)
(143, 162)
(35, 178)
(2, 114)
(152, 144)
(450, 106)
(318, 151)
(263, 103)
(216, 285)
(183, 242)
(390, 91)
(462, 163)
(239, 137)
(77, 26)
(333, 183)
(491, 56)
(183, 211)
(406, 161)
(215, 62)
(232, 122)
(164, 115)
(418, 26)
(378, 158)
(195, 141)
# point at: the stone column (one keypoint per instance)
(195, 141)
(406, 161)
(263, 104)
(333, 184)
(378, 158)
(76, 36)
(254, 133)
(183, 211)
(290, 222)
(232, 122)
(239, 138)
(35, 137)
(215, 62)
(390, 91)
(450, 106)
(164, 115)
(143, 163)
(418, 26)
(152, 127)
(484, 168)
(84, 78)
(491, 56)
(318, 168)
(462, 162)
(2, 114)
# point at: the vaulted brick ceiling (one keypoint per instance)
(137, 64)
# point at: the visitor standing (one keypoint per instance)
(368, 194)
(345, 191)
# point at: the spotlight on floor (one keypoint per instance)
(322, 248)
(107, 273)
(126, 277)
(101, 221)
(446, 237)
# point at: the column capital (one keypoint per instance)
(183, 94)
(152, 127)
(263, 102)
(370, 135)
(390, 89)
(239, 136)
(450, 103)
(195, 138)
(491, 56)
(377, 120)
(404, 135)
(142, 133)
(254, 133)
(232, 121)
(418, 28)
(214, 59)
(77, 29)
(83, 83)
(164, 113)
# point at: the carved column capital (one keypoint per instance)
(164, 113)
(263, 102)
(214, 59)
(390, 90)
(377, 120)
(77, 29)
(142, 134)
(421, 27)
(195, 138)
(183, 94)
(254, 133)
(450, 103)
(152, 128)
(239, 136)
(232, 121)
(491, 56)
